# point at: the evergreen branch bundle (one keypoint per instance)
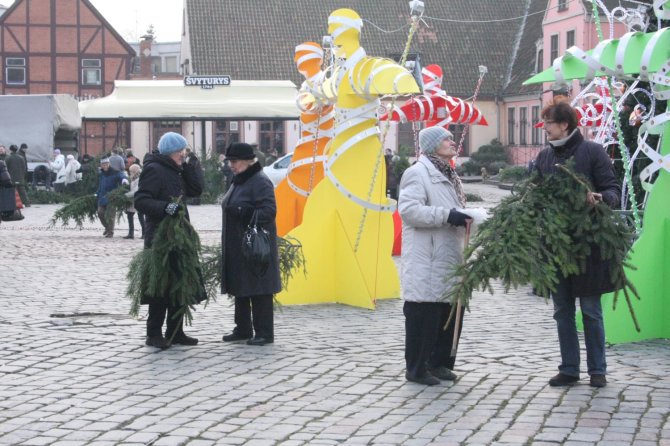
(291, 259)
(170, 271)
(86, 208)
(78, 210)
(119, 202)
(545, 230)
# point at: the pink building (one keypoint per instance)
(565, 23)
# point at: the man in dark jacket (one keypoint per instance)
(166, 176)
(16, 166)
(591, 161)
(110, 179)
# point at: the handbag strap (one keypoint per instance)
(254, 219)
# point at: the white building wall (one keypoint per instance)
(292, 129)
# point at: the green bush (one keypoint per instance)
(215, 181)
(471, 167)
(496, 166)
(41, 196)
(492, 156)
(473, 197)
(513, 174)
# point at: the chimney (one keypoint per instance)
(145, 56)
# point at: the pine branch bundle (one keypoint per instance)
(545, 230)
(78, 210)
(170, 271)
(86, 208)
(291, 259)
(118, 201)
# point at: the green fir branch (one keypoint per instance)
(545, 230)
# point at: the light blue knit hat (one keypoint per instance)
(431, 137)
(171, 142)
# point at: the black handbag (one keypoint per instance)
(256, 247)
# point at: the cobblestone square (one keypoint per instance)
(74, 369)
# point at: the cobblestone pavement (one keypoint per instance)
(74, 369)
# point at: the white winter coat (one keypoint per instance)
(71, 176)
(431, 247)
(134, 186)
(58, 166)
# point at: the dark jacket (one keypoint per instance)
(592, 161)
(5, 179)
(16, 167)
(162, 180)
(110, 179)
(251, 189)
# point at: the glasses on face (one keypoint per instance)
(547, 122)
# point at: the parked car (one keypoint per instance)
(278, 170)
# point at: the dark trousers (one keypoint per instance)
(156, 317)
(107, 217)
(258, 307)
(131, 222)
(426, 342)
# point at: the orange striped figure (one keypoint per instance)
(316, 130)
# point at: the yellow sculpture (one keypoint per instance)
(316, 130)
(347, 228)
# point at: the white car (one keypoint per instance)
(278, 170)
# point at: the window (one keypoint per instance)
(510, 125)
(553, 54)
(15, 71)
(540, 61)
(457, 131)
(562, 5)
(171, 64)
(271, 137)
(225, 133)
(570, 39)
(523, 123)
(535, 135)
(91, 74)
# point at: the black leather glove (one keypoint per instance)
(457, 218)
(172, 209)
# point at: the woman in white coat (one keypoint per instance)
(431, 195)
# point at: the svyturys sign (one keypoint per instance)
(206, 82)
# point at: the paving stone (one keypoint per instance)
(334, 376)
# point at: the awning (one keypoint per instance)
(145, 100)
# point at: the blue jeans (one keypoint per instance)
(594, 331)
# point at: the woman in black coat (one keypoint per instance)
(165, 177)
(251, 191)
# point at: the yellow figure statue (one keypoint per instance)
(347, 227)
(316, 130)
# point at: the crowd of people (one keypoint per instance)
(432, 206)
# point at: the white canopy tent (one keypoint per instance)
(147, 100)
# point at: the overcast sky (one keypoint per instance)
(131, 18)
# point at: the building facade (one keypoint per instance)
(562, 25)
(64, 46)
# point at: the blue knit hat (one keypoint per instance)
(431, 137)
(171, 142)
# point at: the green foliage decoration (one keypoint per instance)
(170, 271)
(546, 229)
